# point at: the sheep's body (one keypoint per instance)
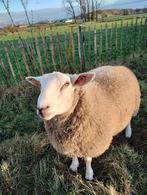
(101, 109)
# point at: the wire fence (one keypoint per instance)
(71, 52)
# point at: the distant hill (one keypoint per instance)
(112, 12)
(43, 15)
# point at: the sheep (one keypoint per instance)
(83, 112)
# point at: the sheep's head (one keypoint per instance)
(57, 92)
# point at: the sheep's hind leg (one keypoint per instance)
(89, 170)
(75, 164)
(128, 131)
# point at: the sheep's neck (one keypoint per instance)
(63, 127)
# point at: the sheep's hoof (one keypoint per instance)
(89, 175)
(73, 167)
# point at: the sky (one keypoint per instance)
(50, 10)
(15, 5)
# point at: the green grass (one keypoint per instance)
(62, 28)
(133, 40)
(17, 111)
(29, 165)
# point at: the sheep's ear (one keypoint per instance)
(83, 79)
(34, 80)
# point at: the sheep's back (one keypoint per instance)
(120, 88)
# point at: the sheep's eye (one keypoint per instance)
(65, 85)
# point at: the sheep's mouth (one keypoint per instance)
(47, 117)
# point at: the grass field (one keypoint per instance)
(29, 165)
(112, 42)
(48, 29)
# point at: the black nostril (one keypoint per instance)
(40, 110)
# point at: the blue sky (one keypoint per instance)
(15, 5)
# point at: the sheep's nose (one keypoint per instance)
(41, 110)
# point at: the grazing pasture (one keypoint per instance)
(72, 51)
(28, 164)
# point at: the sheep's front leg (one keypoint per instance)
(75, 164)
(89, 170)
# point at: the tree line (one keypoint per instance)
(88, 9)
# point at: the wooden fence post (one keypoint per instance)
(101, 45)
(95, 46)
(25, 60)
(89, 44)
(144, 34)
(52, 51)
(16, 61)
(121, 41)
(72, 45)
(39, 56)
(5, 72)
(135, 29)
(116, 42)
(10, 64)
(81, 40)
(106, 39)
(66, 49)
(111, 45)
(45, 49)
(59, 50)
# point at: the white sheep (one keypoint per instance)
(83, 112)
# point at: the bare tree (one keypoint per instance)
(92, 9)
(24, 5)
(97, 7)
(69, 6)
(88, 9)
(83, 9)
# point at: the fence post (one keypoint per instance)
(135, 33)
(5, 72)
(52, 51)
(10, 64)
(89, 45)
(145, 36)
(101, 45)
(39, 55)
(81, 48)
(121, 40)
(59, 50)
(95, 46)
(116, 42)
(72, 45)
(106, 44)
